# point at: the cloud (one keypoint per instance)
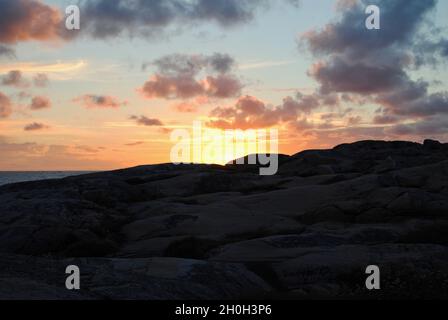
(40, 102)
(35, 67)
(386, 119)
(186, 107)
(222, 86)
(355, 120)
(432, 126)
(40, 157)
(92, 101)
(185, 87)
(27, 20)
(252, 113)
(41, 80)
(350, 37)
(7, 51)
(35, 127)
(176, 64)
(376, 65)
(145, 121)
(14, 78)
(5, 106)
(88, 149)
(104, 19)
(133, 144)
(179, 87)
(33, 20)
(179, 77)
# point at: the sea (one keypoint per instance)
(7, 177)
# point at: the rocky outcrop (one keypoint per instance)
(224, 232)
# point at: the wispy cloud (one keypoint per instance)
(265, 64)
(57, 68)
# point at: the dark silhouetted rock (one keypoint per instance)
(225, 232)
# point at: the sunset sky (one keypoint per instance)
(107, 96)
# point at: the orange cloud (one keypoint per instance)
(252, 113)
(26, 20)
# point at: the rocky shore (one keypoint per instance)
(225, 232)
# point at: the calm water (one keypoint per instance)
(13, 177)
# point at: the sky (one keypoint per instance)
(108, 96)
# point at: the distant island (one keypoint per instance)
(224, 232)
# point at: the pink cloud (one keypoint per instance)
(40, 102)
(26, 20)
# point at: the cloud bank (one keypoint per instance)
(377, 65)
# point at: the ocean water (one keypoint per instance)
(7, 177)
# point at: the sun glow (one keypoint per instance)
(215, 146)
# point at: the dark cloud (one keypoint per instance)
(181, 76)
(185, 87)
(179, 87)
(91, 101)
(145, 121)
(40, 102)
(341, 76)
(14, 78)
(35, 126)
(7, 51)
(223, 86)
(33, 20)
(375, 65)
(5, 106)
(432, 126)
(354, 121)
(386, 119)
(176, 64)
(400, 22)
(105, 18)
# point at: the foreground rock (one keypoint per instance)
(211, 232)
